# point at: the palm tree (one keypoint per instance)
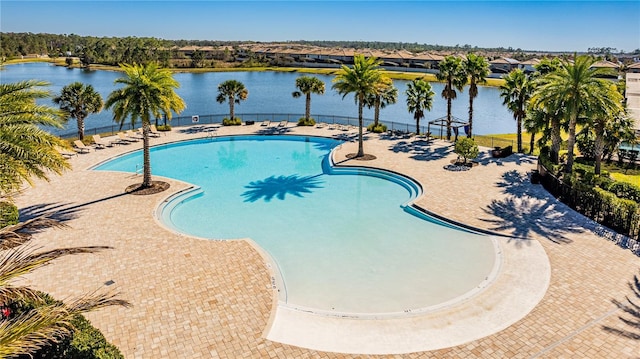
(79, 100)
(605, 110)
(452, 73)
(477, 69)
(148, 93)
(386, 94)
(419, 99)
(362, 80)
(26, 150)
(307, 85)
(516, 92)
(23, 333)
(232, 91)
(535, 121)
(576, 87)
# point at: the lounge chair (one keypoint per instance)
(65, 153)
(81, 147)
(100, 142)
(153, 132)
(283, 123)
(265, 123)
(133, 135)
(320, 125)
(124, 139)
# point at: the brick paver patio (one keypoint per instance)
(196, 298)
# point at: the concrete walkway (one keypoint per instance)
(207, 299)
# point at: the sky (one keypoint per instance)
(528, 25)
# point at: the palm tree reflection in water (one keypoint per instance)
(280, 186)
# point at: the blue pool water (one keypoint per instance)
(342, 240)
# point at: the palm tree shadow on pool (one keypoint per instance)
(280, 186)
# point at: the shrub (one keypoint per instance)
(304, 122)
(625, 190)
(236, 121)
(377, 129)
(163, 127)
(466, 148)
(8, 214)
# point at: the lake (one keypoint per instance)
(270, 92)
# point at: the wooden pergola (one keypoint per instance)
(456, 123)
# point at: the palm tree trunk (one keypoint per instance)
(599, 148)
(80, 122)
(307, 110)
(376, 113)
(417, 126)
(231, 109)
(146, 178)
(555, 140)
(571, 141)
(448, 119)
(470, 115)
(532, 142)
(519, 122)
(360, 123)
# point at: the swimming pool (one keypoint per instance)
(343, 240)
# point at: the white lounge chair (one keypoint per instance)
(81, 147)
(283, 123)
(265, 123)
(124, 139)
(100, 142)
(153, 132)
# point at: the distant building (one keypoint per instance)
(634, 68)
(503, 65)
(633, 97)
(529, 65)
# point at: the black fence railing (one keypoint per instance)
(180, 121)
(624, 221)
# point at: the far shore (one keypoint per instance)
(395, 75)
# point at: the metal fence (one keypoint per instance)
(181, 121)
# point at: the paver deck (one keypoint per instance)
(197, 298)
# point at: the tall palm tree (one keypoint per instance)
(386, 94)
(452, 73)
(148, 92)
(607, 107)
(307, 85)
(232, 91)
(23, 333)
(477, 69)
(419, 99)
(362, 80)
(79, 100)
(577, 87)
(535, 121)
(26, 150)
(516, 92)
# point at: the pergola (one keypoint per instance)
(456, 123)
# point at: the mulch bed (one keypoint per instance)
(156, 187)
(366, 157)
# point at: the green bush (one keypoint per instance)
(625, 190)
(86, 342)
(8, 214)
(163, 127)
(236, 121)
(304, 122)
(377, 129)
(467, 148)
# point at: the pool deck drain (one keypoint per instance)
(213, 299)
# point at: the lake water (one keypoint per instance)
(270, 92)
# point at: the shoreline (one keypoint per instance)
(394, 75)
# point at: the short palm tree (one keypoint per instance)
(78, 101)
(386, 94)
(516, 92)
(232, 91)
(452, 73)
(363, 79)
(148, 92)
(577, 88)
(26, 150)
(419, 99)
(23, 333)
(477, 69)
(307, 85)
